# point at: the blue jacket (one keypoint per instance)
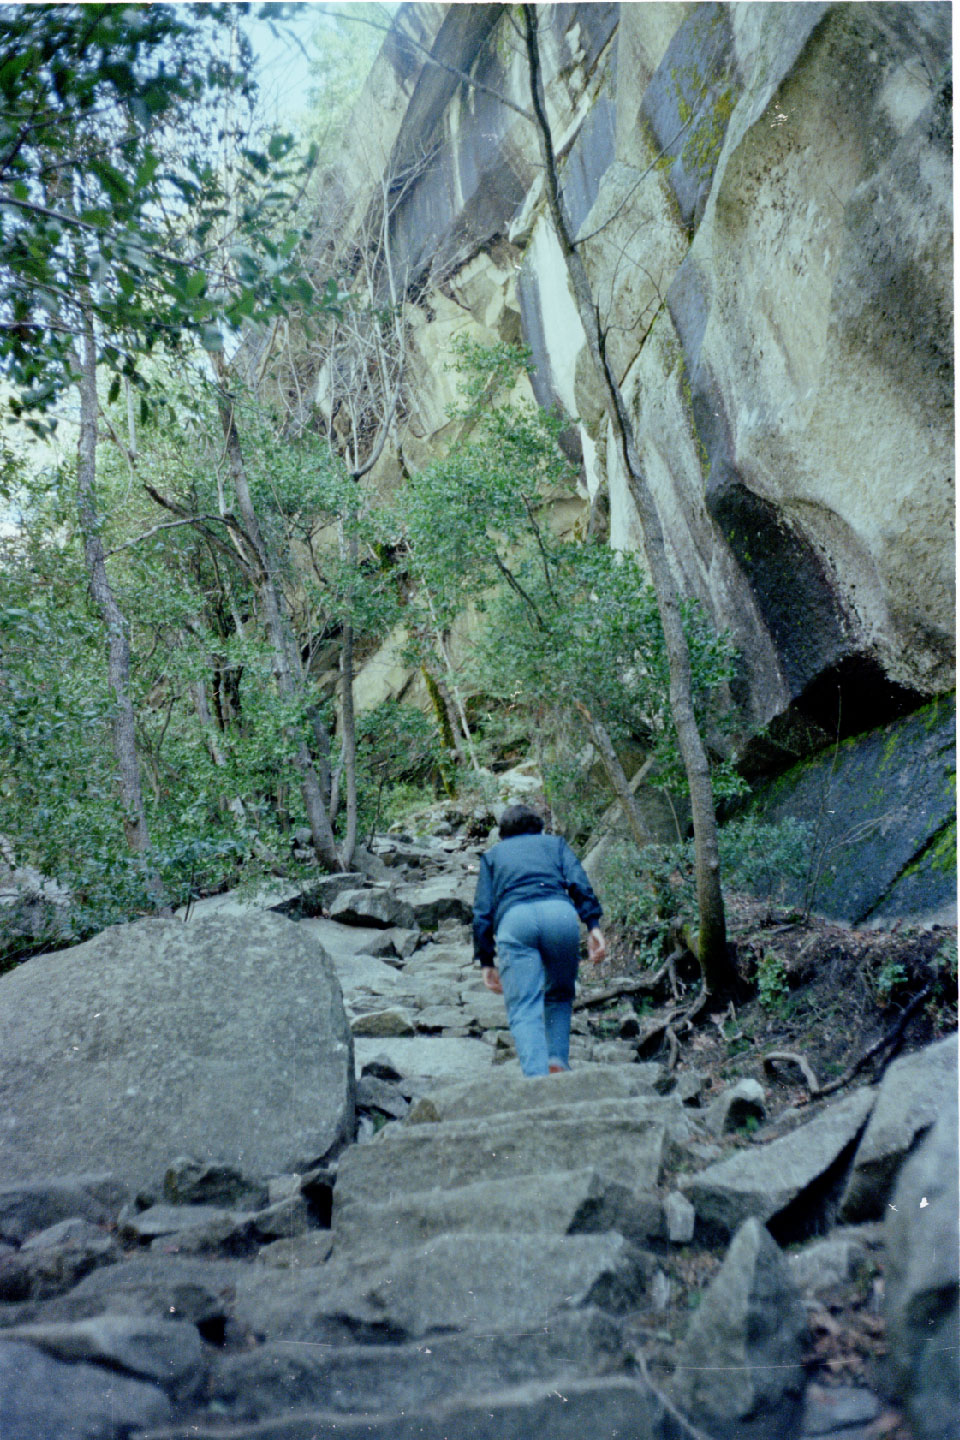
(527, 867)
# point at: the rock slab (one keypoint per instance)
(223, 1039)
(741, 1371)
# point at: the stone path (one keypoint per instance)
(495, 1257)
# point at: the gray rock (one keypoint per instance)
(740, 1103)
(168, 1352)
(825, 1263)
(191, 1229)
(607, 1407)
(680, 1218)
(197, 1182)
(690, 1088)
(274, 1379)
(767, 1180)
(376, 906)
(382, 1023)
(427, 1059)
(366, 975)
(466, 1281)
(437, 900)
(43, 1399)
(628, 1144)
(393, 945)
(320, 894)
(553, 1203)
(497, 1096)
(300, 1252)
(433, 1019)
(908, 1102)
(164, 1287)
(285, 1219)
(832, 1409)
(25, 1209)
(222, 1038)
(922, 1280)
(382, 1096)
(54, 1260)
(740, 1372)
(342, 941)
(282, 1187)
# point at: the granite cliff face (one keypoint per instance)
(762, 193)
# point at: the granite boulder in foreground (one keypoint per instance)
(223, 1038)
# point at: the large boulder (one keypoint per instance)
(740, 1373)
(922, 1280)
(908, 1102)
(784, 1181)
(223, 1039)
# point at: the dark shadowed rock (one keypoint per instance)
(740, 1372)
(26, 1209)
(196, 1182)
(52, 1261)
(163, 1287)
(738, 1104)
(222, 1038)
(376, 906)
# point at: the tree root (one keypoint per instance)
(643, 986)
(789, 1057)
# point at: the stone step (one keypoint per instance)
(560, 1203)
(278, 1378)
(632, 1150)
(615, 1408)
(504, 1093)
(628, 1140)
(469, 1281)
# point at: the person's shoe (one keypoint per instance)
(557, 1069)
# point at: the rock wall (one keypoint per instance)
(762, 193)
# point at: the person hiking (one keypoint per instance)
(531, 889)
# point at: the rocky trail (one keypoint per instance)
(234, 1205)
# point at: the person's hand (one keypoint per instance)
(491, 979)
(596, 945)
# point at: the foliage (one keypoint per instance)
(113, 204)
(399, 756)
(566, 623)
(649, 893)
(772, 987)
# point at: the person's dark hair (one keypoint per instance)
(519, 820)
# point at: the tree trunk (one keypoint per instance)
(277, 627)
(618, 777)
(719, 974)
(118, 647)
(348, 744)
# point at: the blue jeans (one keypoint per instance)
(538, 951)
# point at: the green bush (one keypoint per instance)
(648, 892)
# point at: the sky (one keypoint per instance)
(283, 70)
